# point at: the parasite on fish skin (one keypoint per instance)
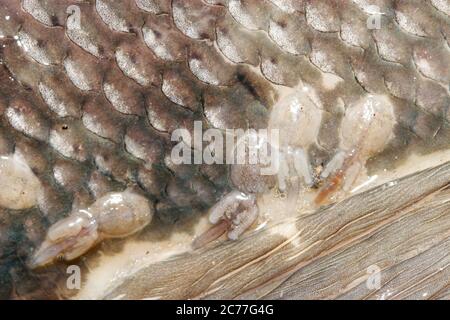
(114, 215)
(20, 187)
(297, 120)
(237, 211)
(365, 130)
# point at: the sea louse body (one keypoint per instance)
(366, 129)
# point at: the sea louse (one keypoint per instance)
(115, 215)
(366, 128)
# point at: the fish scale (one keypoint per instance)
(92, 106)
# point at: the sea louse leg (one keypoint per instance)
(283, 171)
(243, 221)
(234, 214)
(298, 120)
(335, 163)
(303, 166)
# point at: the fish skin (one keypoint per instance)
(139, 69)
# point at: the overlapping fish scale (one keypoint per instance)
(432, 61)
(101, 119)
(180, 87)
(323, 16)
(432, 97)
(353, 30)
(401, 82)
(441, 5)
(195, 19)
(121, 16)
(162, 36)
(421, 23)
(252, 14)
(99, 184)
(166, 116)
(39, 44)
(222, 108)
(279, 67)
(290, 6)
(153, 180)
(48, 12)
(59, 94)
(391, 44)
(53, 202)
(23, 69)
(153, 6)
(125, 96)
(235, 42)
(69, 174)
(69, 138)
(329, 55)
(136, 62)
(284, 31)
(114, 163)
(143, 143)
(209, 66)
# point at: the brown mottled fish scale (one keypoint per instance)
(92, 108)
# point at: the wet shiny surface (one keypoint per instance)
(90, 107)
